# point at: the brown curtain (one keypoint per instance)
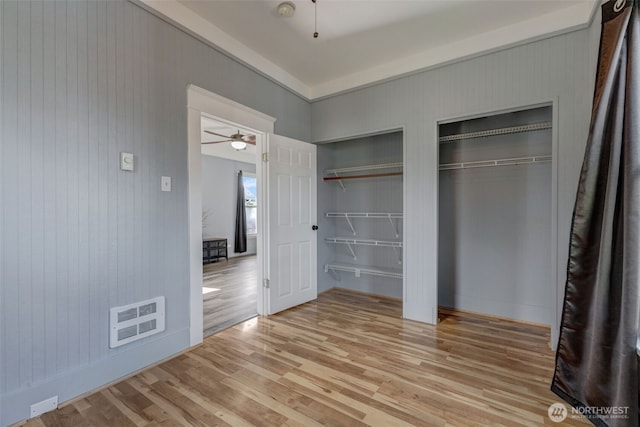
(597, 362)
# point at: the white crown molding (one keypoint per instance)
(548, 25)
(191, 21)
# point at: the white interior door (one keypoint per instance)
(291, 259)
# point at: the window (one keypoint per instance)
(250, 203)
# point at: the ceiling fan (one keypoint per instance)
(238, 141)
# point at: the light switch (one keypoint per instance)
(166, 183)
(126, 161)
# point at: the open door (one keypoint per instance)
(291, 256)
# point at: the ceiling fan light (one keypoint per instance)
(286, 9)
(238, 145)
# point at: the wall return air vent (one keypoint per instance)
(132, 322)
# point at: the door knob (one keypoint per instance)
(314, 227)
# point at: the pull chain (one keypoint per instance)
(315, 19)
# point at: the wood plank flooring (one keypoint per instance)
(343, 360)
(229, 292)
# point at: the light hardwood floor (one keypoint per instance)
(345, 359)
(229, 292)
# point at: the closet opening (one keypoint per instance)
(361, 214)
(495, 207)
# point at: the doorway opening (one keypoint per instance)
(203, 102)
(286, 181)
(229, 224)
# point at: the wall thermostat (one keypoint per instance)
(126, 161)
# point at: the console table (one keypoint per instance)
(214, 249)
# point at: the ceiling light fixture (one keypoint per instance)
(315, 18)
(239, 145)
(286, 9)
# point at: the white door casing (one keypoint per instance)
(203, 102)
(291, 255)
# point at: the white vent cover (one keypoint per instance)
(132, 322)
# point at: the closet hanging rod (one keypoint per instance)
(496, 162)
(371, 175)
(363, 168)
(500, 131)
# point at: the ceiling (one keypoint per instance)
(224, 149)
(364, 41)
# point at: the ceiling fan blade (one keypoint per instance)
(214, 142)
(217, 134)
(249, 139)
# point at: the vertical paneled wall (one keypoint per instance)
(80, 82)
(560, 68)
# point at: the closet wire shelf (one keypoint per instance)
(358, 271)
(494, 132)
(338, 177)
(363, 242)
(391, 216)
(495, 162)
(363, 215)
(363, 168)
(351, 242)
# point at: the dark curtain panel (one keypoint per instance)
(597, 363)
(241, 219)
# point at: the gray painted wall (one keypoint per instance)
(360, 195)
(83, 80)
(561, 67)
(219, 184)
(80, 82)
